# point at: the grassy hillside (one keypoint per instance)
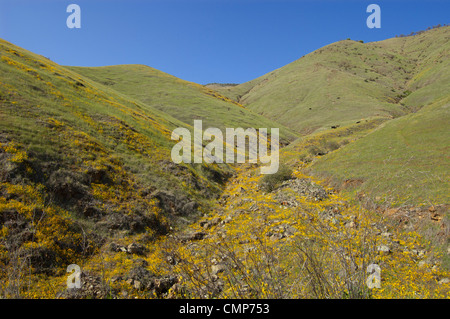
(86, 178)
(183, 100)
(354, 87)
(80, 164)
(403, 162)
(347, 81)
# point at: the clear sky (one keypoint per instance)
(227, 41)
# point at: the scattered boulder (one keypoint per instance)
(136, 249)
(133, 248)
(383, 249)
(199, 235)
(218, 268)
(117, 248)
(306, 187)
(92, 287)
(142, 279)
(210, 223)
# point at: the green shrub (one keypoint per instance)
(271, 181)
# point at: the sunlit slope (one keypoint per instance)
(80, 163)
(348, 81)
(184, 100)
(406, 161)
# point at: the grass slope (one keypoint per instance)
(406, 160)
(403, 162)
(348, 81)
(81, 163)
(184, 100)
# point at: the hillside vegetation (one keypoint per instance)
(86, 178)
(80, 164)
(348, 81)
(181, 99)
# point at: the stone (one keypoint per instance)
(193, 236)
(217, 269)
(130, 281)
(383, 249)
(348, 225)
(423, 264)
(137, 285)
(436, 217)
(134, 248)
(386, 234)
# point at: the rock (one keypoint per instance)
(421, 253)
(276, 236)
(386, 234)
(137, 285)
(171, 260)
(130, 281)
(217, 269)
(210, 223)
(136, 249)
(175, 292)
(193, 236)
(92, 287)
(141, 275)
(348, 225)
(444, 281)
(304, 187)
(436, 217)
(383, 249)
(117, 248)
(162, 285)
(116, 279)
(227, 220)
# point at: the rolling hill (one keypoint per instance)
(86, 177)
(81, 162)
(391, 96)
(348, 81)
(181, 99)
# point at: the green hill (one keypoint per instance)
(181, 99)
(391, 97)
(404, 162)
(81, 163)
(348, 81)
(86, 175)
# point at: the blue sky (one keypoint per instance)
(227, 41)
